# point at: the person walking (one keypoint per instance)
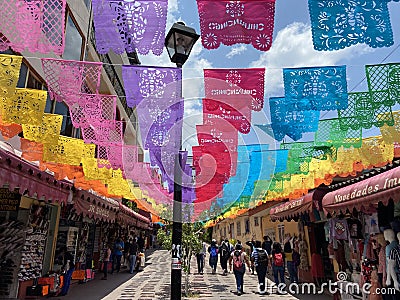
(278, 264)
(238, 259)
(225, 253)
(260, 258)
(133, 249)
(200, 256)
(213, 250)
(118, 251)
(106, 260)
(251, 244)
(69, 266)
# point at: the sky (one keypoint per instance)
(292, 47)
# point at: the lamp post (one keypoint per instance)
(179, 43)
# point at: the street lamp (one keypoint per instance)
(179, 43)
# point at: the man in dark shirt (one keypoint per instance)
(133, 249)
(69, 266)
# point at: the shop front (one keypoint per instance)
(29, 207)
(85, 229)
(363, 218)
(306, 211)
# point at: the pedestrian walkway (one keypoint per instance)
(154, 284)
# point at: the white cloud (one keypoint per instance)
(293, 47)
(236, 50)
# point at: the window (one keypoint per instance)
(232, 229)
(281, 232)
(33, 82)
(247, 226)
(256, 221)
(23, 73)
(239, 230)
(73, 40)
(66, 127)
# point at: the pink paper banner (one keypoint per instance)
(89, 106)
(236, 87)
(234, 22)
(67, 79)
(37, 26)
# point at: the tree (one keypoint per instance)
(192, 236)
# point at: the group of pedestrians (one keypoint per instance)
(261, 255)
(113, 254)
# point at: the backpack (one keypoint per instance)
(224, 251)
(214, 252)
(278, 259)
(238, 261)
(287, 247)
(262, 257)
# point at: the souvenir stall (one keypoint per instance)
(363, 218)
(134, 223)
(306, 211)
(30, 201)
(80, 229)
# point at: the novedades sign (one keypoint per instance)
(371, 187)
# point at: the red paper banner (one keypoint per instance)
(213, 112)
(233, 22)
(236, 87)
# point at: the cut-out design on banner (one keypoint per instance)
(316, 88)
(221, 132)
(375, 152)
(109, 156)
(158, 126)
(9, 73)
(391, 134)
(384, 84)
(234, 22)
(37, 26)
(151, 82)
(68, 79)
(361, 113)
(285, 120)
(103, 132)
(92, 106)
(215, 110)
(47, 132)
(329, 133)
(24, 106)
(236, 87)
(337, 24)
(66, 151)
(299, 157)
(130, 25)
(129, 159)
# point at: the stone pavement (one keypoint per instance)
(154, 284)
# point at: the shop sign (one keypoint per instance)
(93, 209)
(289, 205)
(9, 201)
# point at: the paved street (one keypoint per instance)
(154, 284)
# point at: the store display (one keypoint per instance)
(67, 236)
(35, 243)
(12, 237)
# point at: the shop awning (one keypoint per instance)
(366, 193)
(295, 208)
(30, 180)
(130, 217)
(94, 206)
